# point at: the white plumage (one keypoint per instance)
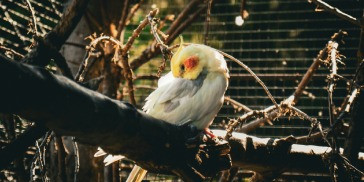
(193, 92)
(179, 100)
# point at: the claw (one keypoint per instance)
(209, 133)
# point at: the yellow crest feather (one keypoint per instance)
(174, 64)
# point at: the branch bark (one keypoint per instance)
(119, 128)
(337, 12)
(355, 135)
(264, 155)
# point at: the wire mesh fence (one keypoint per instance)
(278, 41)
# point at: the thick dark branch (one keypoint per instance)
(264, 155)
(69, 109)
(355, 135)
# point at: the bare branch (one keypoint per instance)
(121, 129)
(61, 155)
(237, 105)
(122, 21)
(325, 6)
(182, 16)
(147, 77)
(254, 75)
(138, 30)
(164, 48)
(128, 77)
(11, 51)
(58, 36)
(86, 64)
(351, 99)
(123, 54)
(207, 21)
(133, 10)
(29, 5)
(181, 23)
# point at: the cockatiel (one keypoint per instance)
(192, 93)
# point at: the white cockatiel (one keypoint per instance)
(193, 92)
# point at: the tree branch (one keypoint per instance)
(337, 12)
(20, 144)
(178, 26)
(58, 36)
(293, 99)
(119, 128)
(155, 145)
(264, 155)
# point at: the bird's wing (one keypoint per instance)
(170, 90)
(180, 101)
(169, 94)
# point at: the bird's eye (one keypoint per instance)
(182, 67)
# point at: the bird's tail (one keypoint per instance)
(137, 174)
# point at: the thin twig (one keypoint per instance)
(180, 24)
(253, 74)
(169, 17)
(77, 159)
(249, 71)
(146, 77)
(12, 51)
(301, 86)
(138, 30)
(38, 155)
(164, 48)
(129, 78)
(332, 82)
(337, 37)
(182, 16)
(91, 52)
(233, 123)
(207, 21)
(351, 99)
(183, 25)
(61, 154)
(29, 5)
(308, 75)
(122, 21)
(325, 6)
(97, 40)
(132, 12)
(86, 64)
(237, 105)
(281, 111)
(124, 55)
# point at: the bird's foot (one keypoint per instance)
(209, 133)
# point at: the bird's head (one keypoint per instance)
(189, 61)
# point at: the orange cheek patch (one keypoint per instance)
(191, 62)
